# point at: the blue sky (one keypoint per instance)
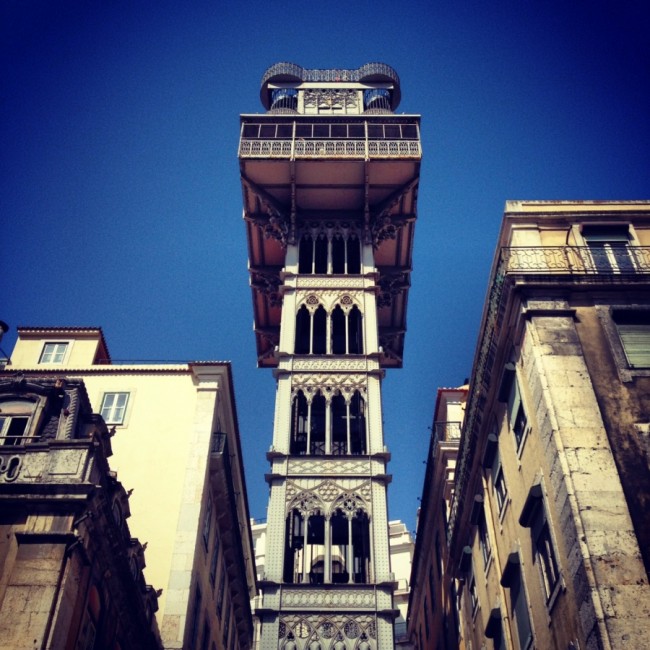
(119, 184)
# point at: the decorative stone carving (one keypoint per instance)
(326, 99)
(328, 365)
(331, 599)
(329, 299)
(350, 282)
(328, 496)
(391, 285)
(269, 284)
(307, 466)
(333, 631)
(328, 385)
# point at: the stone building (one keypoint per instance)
(549, 535)
(70, 572)
(329, 176)
(432, 615)
(176, 446)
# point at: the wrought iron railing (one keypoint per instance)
(335, 74)
(590, 262)
(608, 258)
(446, 431)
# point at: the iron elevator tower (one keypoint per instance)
(329, 176)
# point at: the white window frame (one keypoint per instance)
(64, 353)
(10, 412)
(110, 417)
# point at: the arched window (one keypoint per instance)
(361, 547)
(338, 254)
(339, 426)
(306, 255)
(294, 543)
(339, 549)
(299, 424)
(353, 250)
(317, 428)
(355, 332)
(320, 255)
(303, 331)
(338, 330)
(357, 420)
(330, 253)
(319, 339)
(315, 548)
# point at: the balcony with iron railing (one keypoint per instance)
(359, 139)
(579, 265)
(602, 259)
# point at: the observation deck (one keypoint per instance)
(330, 149)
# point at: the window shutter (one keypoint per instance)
(636, 342)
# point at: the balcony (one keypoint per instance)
(387, 138)
(607, 258)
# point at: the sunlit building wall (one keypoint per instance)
(432, 615)
(548, 527)
(176, 446)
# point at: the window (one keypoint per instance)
(633, 326)
(473, 593)
(53, 352)
(346, 420)
(512, 579)
(14, 421)
(114, 407)
(533, 516)
(221, 591)
(484, 538)
(518, 418)
(500, 488)
(196, 611)
(207, 521)
(320, 550)
(213, 561)
(494, 629)
(609, 248)
(334, 253)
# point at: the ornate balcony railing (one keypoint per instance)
(446, 431)
(608, 258)
(284, 69)
(586, 262)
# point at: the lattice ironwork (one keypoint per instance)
(329, 148)
(334, 74)
(619, 259)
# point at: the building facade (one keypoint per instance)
(329, 177)
(549, 534)
(176, 446)
(70, 572)
(432, 614)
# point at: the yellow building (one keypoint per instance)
(176, 446)
(70, 571)
(548, 531)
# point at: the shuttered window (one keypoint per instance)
(634, 330)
